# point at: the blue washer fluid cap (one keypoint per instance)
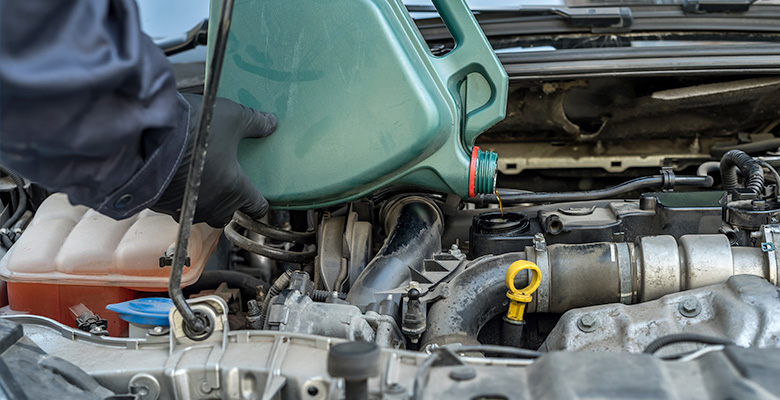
(146, 311)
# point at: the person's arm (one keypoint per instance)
(88, 106)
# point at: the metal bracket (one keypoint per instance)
(212, 307)
(771, 234)
(215, 309)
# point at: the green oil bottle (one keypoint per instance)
(361, 101)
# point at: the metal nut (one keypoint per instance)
(395, 388)
(689, 307)
(539, 242)
(588, 323)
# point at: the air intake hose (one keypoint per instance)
(477, 295)
(751, 170)
(414, 229)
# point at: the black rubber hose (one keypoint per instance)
(476, 295)
(6, 242)
(512, 197)
(196, 326)
(751, 170)
(761, 146)
(264, 250)
(415, 236)
(274, 232)
(249, 285)
(21, 207)
(664, 341)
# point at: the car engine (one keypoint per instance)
(601, 273)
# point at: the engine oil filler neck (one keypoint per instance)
(493, 223)
(494, 233)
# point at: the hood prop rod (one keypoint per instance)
(195, 325)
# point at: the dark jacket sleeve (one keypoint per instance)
(88, 104)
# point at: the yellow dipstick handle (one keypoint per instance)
(519, 298)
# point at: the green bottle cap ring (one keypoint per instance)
(482, 172)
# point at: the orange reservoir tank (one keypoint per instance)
(71, 255)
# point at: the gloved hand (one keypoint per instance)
(224, 187)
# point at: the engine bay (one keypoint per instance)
(628, 250)
(424, 276)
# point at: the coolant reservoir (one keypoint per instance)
(72, 254)
(361, 101)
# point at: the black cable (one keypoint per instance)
(279, 284)
(750, 168)
(231, 233)
(272, 231)
(753, 148)
(196, 326)
(664, 341)
(6, 241)
(771, 169)
(513, 197)
(21, 207)
(321, 296)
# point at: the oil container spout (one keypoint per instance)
(482, 173)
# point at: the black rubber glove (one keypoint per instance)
(224, 187)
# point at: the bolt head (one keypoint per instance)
(588, 323)
(690, 307)
(463, 373)
(588, 320)
(395, 388)
(158, 329)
